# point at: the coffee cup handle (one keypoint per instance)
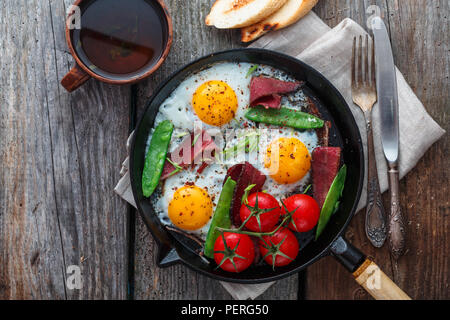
(75, 78)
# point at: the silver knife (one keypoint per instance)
(388, 108)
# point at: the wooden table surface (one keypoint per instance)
(60, 157)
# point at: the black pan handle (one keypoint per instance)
(350, 257)
(366, 272)
(167, 256)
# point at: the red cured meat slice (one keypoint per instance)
(244, 175)
(202, 167)
(234, 172)
(325, 166)
(264, 86)
(206, 162)
(324, 132)
(269, 102)
(266, 91)
(204, 146)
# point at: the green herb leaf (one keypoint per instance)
(176, 165)
(244, 145)
(307, 189)
(247, 192)
(181, 134)
(251, 70)
(196, 139)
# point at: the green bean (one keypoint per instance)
(156, 157)
(331, 203)
(284, 117)
(221, 218)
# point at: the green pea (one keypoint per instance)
(331, 203)
(284, 117)
(156, 157)
(221, 217)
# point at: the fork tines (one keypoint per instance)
(360, 57)
(363, 76)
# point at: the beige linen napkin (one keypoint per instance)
(329, 51)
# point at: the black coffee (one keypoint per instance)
(120, 37)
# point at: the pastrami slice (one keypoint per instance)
(325, 166)
(234, 172)
(324, 132)
(197, 147)
(269, 102)
(267, 90)
(245, 175)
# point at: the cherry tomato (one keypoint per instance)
(235, 254)
(283, 245)
(265, 219)
(306, 213)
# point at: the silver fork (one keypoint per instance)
(364, 94)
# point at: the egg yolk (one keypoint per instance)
(190, 208)
(215, 103)
(288, 160)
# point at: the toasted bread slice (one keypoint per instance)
(227, 14)
(291, 12)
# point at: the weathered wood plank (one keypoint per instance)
(418, 30)
(31, 256)
(60, 158)
(192, 39)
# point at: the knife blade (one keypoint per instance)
(389, 115)
(387, 91)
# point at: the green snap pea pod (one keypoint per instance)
(221, 217)
(156, 157)
(284, 117)
(331, 203)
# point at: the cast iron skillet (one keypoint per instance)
(174, 248)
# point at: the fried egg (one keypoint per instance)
(201, 193)
(293, 160)
(287, 160)
(215, 103)
(216, 97)
(190, 208)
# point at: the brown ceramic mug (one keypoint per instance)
(108, 42)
